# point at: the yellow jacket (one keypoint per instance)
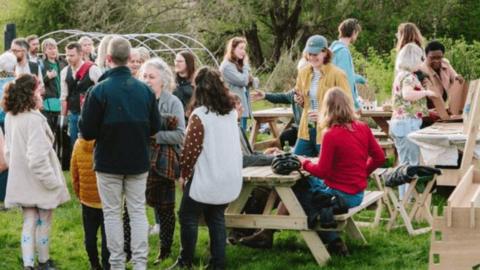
(83, 177)
(331, 76)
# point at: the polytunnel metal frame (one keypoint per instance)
(169, 43)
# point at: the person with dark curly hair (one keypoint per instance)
(212, 137)
(35, 180)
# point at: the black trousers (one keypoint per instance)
(92, 221)
(189, 213)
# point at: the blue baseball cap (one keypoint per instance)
(315, 44)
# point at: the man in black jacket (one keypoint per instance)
(121, 114)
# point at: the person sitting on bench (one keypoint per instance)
(348, 155)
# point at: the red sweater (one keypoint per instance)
(347, 157)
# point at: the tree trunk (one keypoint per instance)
(254, 43)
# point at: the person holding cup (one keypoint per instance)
(312, 83)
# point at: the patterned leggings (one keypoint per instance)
(35, 233)
(167, 228)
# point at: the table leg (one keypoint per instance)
(237, 206)
(382, 123)
(312, 239)
(255, 129)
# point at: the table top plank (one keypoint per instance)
(274, 112)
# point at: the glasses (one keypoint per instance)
(18, 50)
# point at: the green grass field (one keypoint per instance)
(385, 250)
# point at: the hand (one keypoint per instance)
(430, 93)
(182, 183)
(301, 158)
(272, 151)
(313, 116)
(64, 108)
(172, 122)
(51, 74)
(298, 98)
(257, 95)
(460, 79)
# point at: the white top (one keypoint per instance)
(313, 90)
(94, 73)
(217, 177)
(8, 61)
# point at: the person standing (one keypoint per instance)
(51, 77)
(84, 184)
(20, 48)
(88, 50)
(76, 79)
(409, 105)
(313, 81)
(165, 150)
(184, 71)
(348, 32)
(33, 48)
(121, 114)
(35, 179)
(212, 137)
(236, 74)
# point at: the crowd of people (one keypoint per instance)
(137, 126)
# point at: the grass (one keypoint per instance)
(385, 250)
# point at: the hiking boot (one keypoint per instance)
(262, 239)
(28, 268)
(48, 265)
(337, 247)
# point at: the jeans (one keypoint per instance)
(308, 148)
(243, 122)
(112, 187)
(92, 221)
(304, 193)
(73, 127)
(408, 152)
(189, 212)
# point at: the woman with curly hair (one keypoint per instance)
(35, 180)
(212, 138)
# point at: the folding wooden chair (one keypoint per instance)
(420, 203)
(379, 205)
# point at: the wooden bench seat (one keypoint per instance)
(369, 198)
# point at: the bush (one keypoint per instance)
(377, 69)
(284, 74)
(464, 57)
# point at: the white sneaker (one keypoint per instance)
(154, 229)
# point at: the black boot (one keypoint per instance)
(261, 239)
(164, 253)
(338, 247)
(48, 265)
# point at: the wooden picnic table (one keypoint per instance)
(296, 219)
(270, 116)
(380, 117)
